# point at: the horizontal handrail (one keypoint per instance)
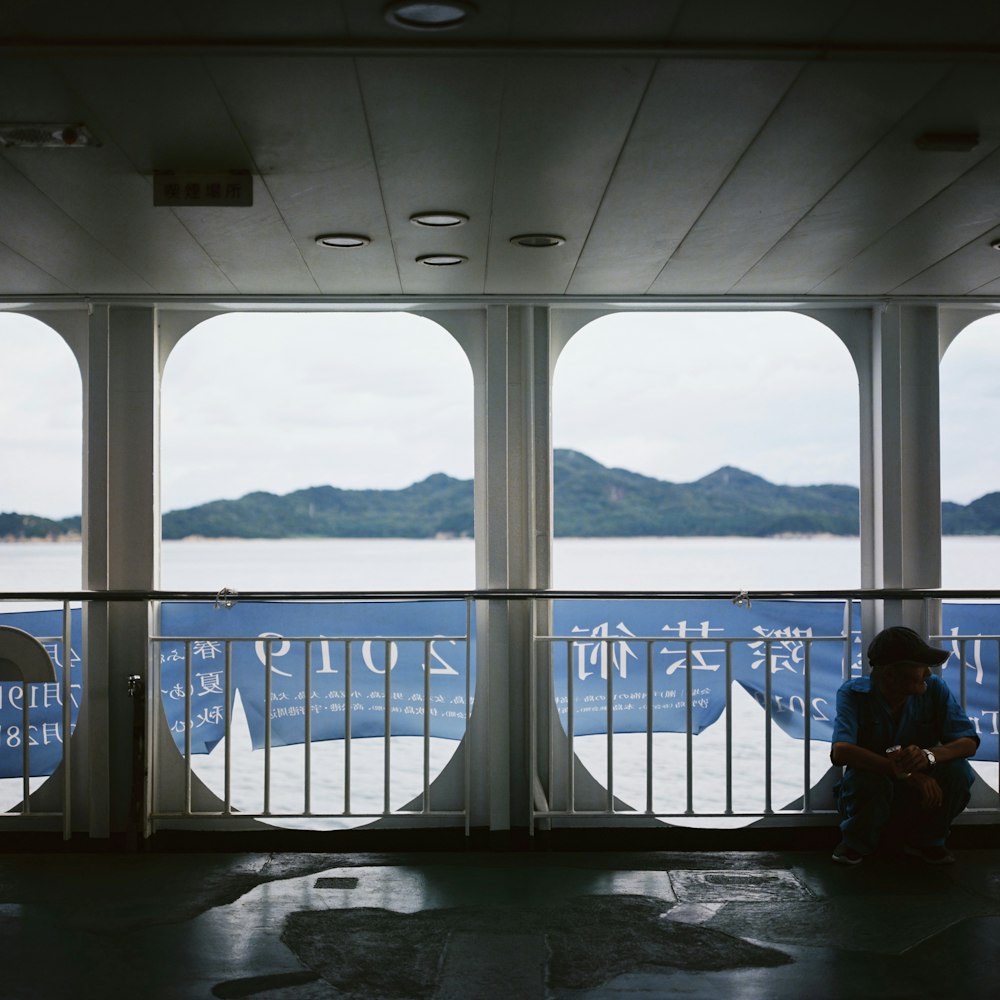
(522, 594)
(540, 639)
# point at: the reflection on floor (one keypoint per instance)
(470, 925)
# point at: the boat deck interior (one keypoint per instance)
(512, 169)
(470, 925)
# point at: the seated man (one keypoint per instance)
(904, 740)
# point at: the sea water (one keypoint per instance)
(669, 564)
(726, 564)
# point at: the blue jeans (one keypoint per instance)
(868, 801)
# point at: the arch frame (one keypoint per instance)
(513, 346)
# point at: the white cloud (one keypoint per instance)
(970, 413)
(676, 396)
(40, 420)
(281, 402)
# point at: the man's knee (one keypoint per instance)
(955, 778)
(867, 783)
(859, 788)
(954, 775)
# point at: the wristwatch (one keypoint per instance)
(931, 759)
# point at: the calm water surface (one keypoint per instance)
(587, 564)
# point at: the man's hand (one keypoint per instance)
(928, 790)
(910, 758)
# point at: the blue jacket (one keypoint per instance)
(927, 720)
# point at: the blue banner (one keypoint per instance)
(982, 667)
(692, 631)
(332, 706)
(771, 658)
(45, 701)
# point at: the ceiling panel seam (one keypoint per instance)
(88, 235)
(259, 173)
(105, 131)
(976, 240)
(498, 134)
(378, 173)
(995, 155)
(611, 174)
(937, 84)
(732, 170)
(807, 51)
(37, 267)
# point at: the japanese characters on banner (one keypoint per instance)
(982, 667)
(775, 634)
(775, 631)
(45, 701)
(274, 626)
(608, 637)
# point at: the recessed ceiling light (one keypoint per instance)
(995, 244)
(439, 220)
(343, 241)
(538, 240)
(428, 16)
(441, 259)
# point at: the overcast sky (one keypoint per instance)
(280, 402)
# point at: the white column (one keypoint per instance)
(907, 453)
(896, 350)
(508, 348)
(121, 529)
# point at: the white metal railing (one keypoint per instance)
(28, 736)
(569, 739)
(969, 649)
(557, 764)
(562, 786)
(180, 802)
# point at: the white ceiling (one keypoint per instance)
(682, 147)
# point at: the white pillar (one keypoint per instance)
(896, 350)
(508, 348)
(907, 453)
(121, 530)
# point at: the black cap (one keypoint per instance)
(899, 644)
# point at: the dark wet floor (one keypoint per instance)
(469, 925)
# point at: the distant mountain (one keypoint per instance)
(590, 501)
(437, 506)
(28, 527)
(594, 501)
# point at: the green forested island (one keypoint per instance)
(590, 501)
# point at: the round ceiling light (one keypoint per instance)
(343, 241)
(995, 244)
(439, 220)
(436, 15)
(441, 259)
(538, 240)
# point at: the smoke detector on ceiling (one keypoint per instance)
(45, 135)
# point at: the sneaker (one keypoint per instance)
(933, 855)
(845, 855)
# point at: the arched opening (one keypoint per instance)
(351, 431)
(970, 516)
(704, 451)
(40, 550)
(320, 452)
(970, 464)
